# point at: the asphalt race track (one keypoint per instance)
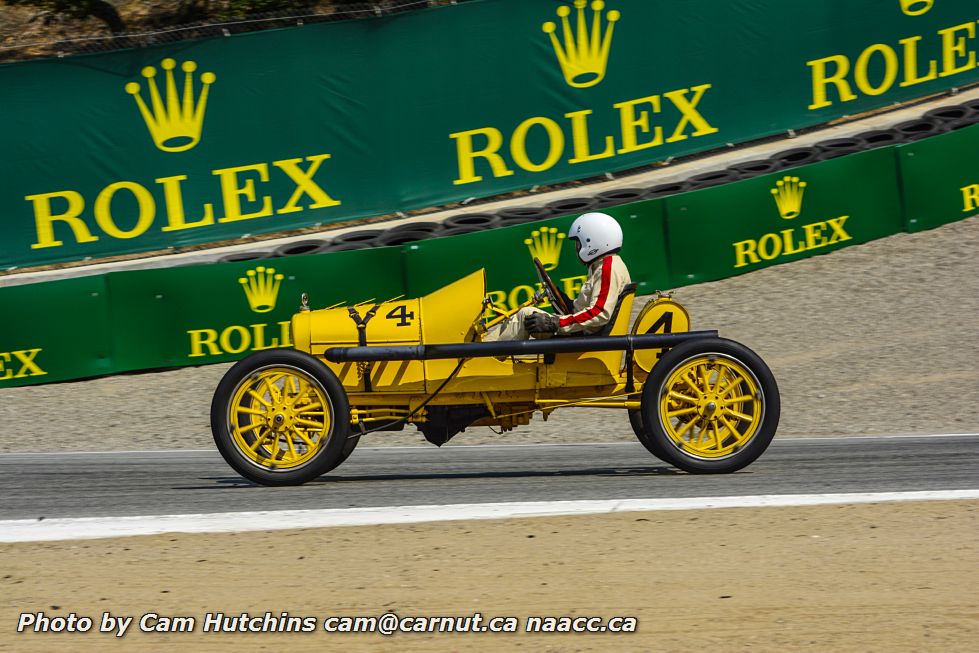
(186, 482)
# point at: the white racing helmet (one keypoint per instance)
(595, 234)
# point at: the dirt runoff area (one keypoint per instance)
(874, 339)
(847, 578)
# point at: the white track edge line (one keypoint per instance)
(786, 440)
(77, 528)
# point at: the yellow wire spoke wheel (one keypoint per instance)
(710, 405)
(281, 417)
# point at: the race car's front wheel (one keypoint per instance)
(710, 406)
(280, 417)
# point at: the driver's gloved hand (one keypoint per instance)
(541, 323)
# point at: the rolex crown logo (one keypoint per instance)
(788, 194)
(545, 244)
(584, 53)
(916, 7)
(174, 122)
(261, 287)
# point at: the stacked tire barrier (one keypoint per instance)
(193, 315)
(932, 123)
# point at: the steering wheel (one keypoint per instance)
(555, 297)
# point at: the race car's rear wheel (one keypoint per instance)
(710, 406)
(280, 417)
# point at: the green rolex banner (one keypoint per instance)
(208, 140)
(940, 178)
(720, 232)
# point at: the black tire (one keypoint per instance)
(713, 178)
(245, 256)
(731, 352)
(403, 237)
(474, 220)
(797, 156)
(572, 205)
(665, 190)
(635, 420)
(748, 169)
(329, 454)
(301, 248)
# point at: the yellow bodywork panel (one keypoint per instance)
(449, 316)
(660, 315)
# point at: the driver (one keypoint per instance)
(598, 239)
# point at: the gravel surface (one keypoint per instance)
(879, 338)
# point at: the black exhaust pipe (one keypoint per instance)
(559, 345)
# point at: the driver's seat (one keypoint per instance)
(618, 324)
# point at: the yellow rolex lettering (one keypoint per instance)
(285, 333)
(839, 233)
(579, 138)
(911, 76)
(632, 124)
(103, 210)
(174, 197)
(44, 218)
(769, 246)
(970, 198)
(572, 285)
(515, 297)
(201, 338)
(466, 154)
(258, 338)
(744, 253)
(518, 144)
(244, 337)
(821, 79)
(954, 49)
(787, 243)
(305, 184)
(4, 361)
(891, 66)
(690, 115)
(814, 235)
(27, 365)
(234, 189)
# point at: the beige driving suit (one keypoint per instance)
(592, 309)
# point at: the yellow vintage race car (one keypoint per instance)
(286, 416)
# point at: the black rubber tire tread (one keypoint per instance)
(713, 178)
(455, 231)
(401, 237)
(880, 138)
(359, 236)
(837, 153)
(572, 205)
(671, 188)
(246, 256)
(301, 247)
(948, 114)
(519, 214)
(749, 169)
(833, 144)
(347, 247)
(797, 156)
(968, 121)
(650, 411)
(430, 227)
(328, 457)
(480, 220)
(635, 420)
(917, 127)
